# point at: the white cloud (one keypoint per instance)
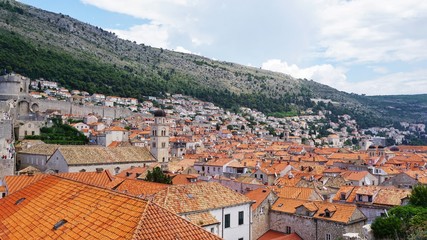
(396, 83)
(325, 73)
(372, 31)
(183, 50)
(393, 84)
(149, 34)
(381, 70)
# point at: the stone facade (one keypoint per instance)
(312, 229)
(159, 145)
(261, 217)
(31, 128)
(401, 180)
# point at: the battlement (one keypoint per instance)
(13, 85)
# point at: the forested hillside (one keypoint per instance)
(37, 43)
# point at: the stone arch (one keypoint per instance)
(23, 108)
(34, 107)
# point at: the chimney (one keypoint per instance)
(99, 170)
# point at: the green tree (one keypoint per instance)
(419, 196)
(387, 228)
(158, 176)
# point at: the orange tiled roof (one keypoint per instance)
(55, 208)
(343, 213)
(140, 188)
(382, 195)
(258, 195)
(348, 191)
(15, 183)
(116, 128)
(201, 219)
(114, 144)
(183, 179)
(274, 235)
(391, 196)
(198, 197)
(40, 149)
(354, 175)
(133, 172)
(84, 155)
(301, 193)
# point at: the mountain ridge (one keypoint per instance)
(144, 70)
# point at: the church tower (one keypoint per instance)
(159, 139)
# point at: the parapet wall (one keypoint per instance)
(75, 109)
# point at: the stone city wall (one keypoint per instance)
(75, 109)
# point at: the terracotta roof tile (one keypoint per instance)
(140, 188)
(183, 179)
(301, 193)
(258, 195)
(67, 209)
(343, 213)
(78, 155)
(102, 179)
(40, 149)
(201, 219)
(197, 197)
(275, 235)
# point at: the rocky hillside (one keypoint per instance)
(39, 43)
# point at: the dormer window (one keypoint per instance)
(342, 197)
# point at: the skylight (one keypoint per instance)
(19, 201)
(59, 224)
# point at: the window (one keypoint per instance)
(163, 144)
(369, 198)
(227, 221)
(240, 238)
(212, 230)
(328, 236)
(342, 196)
(241, 215)
(154, 144)
(256, 175)
(288, 230)
(261, 176)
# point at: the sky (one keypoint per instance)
(357, 46)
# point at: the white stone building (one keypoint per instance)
(88, 158)
(212, 206)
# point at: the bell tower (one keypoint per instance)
(159, 138)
